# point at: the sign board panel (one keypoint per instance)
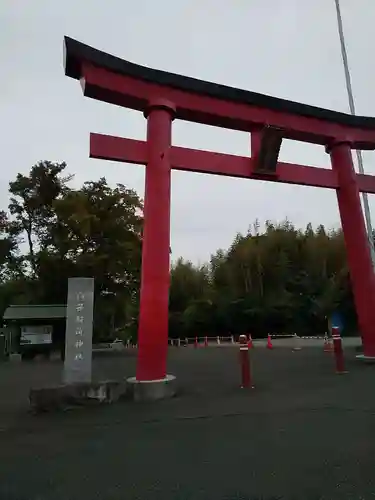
(78, 335)
(36, 335)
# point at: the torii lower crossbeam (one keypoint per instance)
(108, 147)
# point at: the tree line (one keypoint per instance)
(277, 279)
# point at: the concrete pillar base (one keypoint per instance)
(151, 390)
(366, 359)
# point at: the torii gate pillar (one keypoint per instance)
(357, 247)
(153, 318)
(151, 380)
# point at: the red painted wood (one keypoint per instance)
(107, 147)
(358, 250)
(153, 311)
(132, 93)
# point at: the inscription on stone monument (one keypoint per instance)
(78, 336)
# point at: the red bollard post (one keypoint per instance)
(269, 342)
(250, 342)
(338, 351)
(245, 363)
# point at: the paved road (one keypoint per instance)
(303, 433)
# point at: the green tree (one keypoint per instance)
(189, 284)
(92, 231)
(279, 280)
(97, 233)
(32, 205)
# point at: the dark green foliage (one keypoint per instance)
(282, 280)
(54, 232)
(279, 279)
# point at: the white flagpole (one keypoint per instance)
(352, 111)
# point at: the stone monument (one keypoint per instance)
(78, 336)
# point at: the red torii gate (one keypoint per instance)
(162, 97)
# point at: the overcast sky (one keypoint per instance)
(286, 48)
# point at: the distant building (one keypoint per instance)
(35, 329)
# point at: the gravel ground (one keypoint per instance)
(302, 433)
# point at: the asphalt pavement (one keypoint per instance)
(304, 432)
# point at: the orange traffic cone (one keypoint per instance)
(269, 342)
(250, 344)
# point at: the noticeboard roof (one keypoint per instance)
(18, 312)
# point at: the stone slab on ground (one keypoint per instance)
(15, 357)
(67, 396)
